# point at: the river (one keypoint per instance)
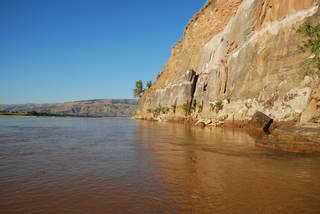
(118, 165)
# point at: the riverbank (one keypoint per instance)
(291, 139)
(45, 114)
(281, 136)
(85, 108)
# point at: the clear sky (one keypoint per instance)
(61, 50)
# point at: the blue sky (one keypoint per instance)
(61, 50)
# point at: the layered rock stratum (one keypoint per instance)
(238, 57)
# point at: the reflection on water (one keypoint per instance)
(79, 165)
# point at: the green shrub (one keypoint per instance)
(156, 112)
(193, 106)
(312, 43)
(160, 110)
(216, 106)
(164, 110)
(186, 108)
(138, 90)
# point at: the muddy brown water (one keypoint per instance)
(112, 165)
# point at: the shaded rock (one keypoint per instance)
(261, 121)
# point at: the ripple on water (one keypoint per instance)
(81, 165)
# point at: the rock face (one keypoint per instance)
(238, 57)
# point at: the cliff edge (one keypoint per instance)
(238, 57)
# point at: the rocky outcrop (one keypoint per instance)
(261, 121)
(291, 139)
(238, 57)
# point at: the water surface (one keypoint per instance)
(114, 165)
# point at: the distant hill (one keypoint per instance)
(85, 108)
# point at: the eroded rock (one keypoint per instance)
(261, 121)
(245, 54)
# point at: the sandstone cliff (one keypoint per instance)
(237, 57)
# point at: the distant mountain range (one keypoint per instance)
(86, 108)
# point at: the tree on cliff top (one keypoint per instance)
(138, 90)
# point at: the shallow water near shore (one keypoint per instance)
(117, 165)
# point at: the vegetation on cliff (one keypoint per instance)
(139, 88)
(311, 43)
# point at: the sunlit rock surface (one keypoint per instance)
(246, 57)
